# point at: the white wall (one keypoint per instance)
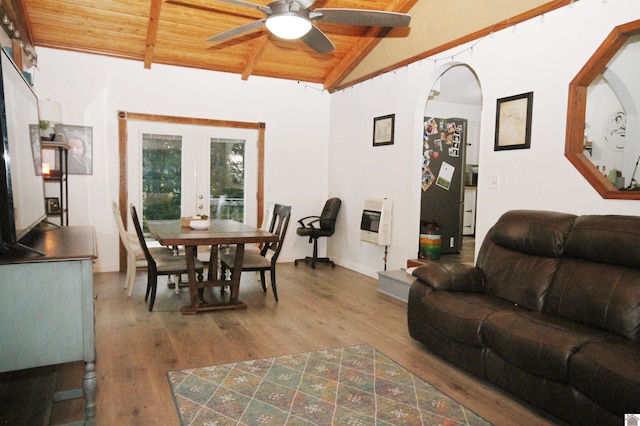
(320, 145)
(541, 56)
(93, 88)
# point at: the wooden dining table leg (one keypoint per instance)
(212, 274)
(194, 291)
(235, 274)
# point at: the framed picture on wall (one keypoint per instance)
(80, 140)
(513, 122)
(53, 205)
(383, 130)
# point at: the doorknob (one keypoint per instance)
(201, 196)
(200, 206)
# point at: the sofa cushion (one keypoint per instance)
(597, 294)
(450, 276)
(556, 397)
(611, 239)
(520, 278)
(538, 343)
(536, 232)
(520, 255)
(459, 316)
(609, 374)
(471, 358)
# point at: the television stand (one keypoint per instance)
(6, 249)
(46, 308)
(24, 247)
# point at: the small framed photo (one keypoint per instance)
(383, 130)
(513, 122)
(53, 205)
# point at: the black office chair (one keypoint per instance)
(315, 227)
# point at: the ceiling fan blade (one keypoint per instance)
(264, 9)
(242, 29)
(316, 40)
(369, 18)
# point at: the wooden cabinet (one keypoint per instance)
(469, 213)
(56, 184)
(46, 308)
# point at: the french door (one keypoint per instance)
(176, 170)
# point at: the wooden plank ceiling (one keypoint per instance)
(175, 32)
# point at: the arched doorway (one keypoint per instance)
(450, 150)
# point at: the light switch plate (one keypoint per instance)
(494, 182)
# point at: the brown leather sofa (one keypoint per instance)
(550, 312)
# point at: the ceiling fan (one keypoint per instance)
(293, 19)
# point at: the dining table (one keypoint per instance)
(220, 232)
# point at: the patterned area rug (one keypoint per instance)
(355, 385)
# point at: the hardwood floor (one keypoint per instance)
(318, 309)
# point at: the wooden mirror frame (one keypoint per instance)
(576, 111)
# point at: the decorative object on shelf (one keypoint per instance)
(56, 184)
(383, 128)
(50, 113)
(633, 183)
(80, 141)
(513, 122)
(53, 205)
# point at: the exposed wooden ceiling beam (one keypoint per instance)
(152, 32)
(258, 49)
(363, 46)
(25, 24)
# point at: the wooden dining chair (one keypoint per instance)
(160, 265)
(265, 259)
(135, 255)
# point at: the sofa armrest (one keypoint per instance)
(451, 276)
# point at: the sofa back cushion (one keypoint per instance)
(598, 282)
(612, 239)
(520, 255)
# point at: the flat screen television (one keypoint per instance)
(21, 187)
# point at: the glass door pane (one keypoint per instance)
(185, 170)
(161, 176)
(227, 178)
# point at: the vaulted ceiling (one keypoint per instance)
(175, 32)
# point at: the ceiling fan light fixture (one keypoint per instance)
(288, 26)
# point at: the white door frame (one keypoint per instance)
(124, 116)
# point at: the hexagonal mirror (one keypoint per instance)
(603, 131)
